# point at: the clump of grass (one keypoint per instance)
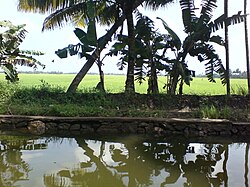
(212, 112)
(226, 113)
(209, 112)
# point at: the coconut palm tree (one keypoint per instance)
(247, 48)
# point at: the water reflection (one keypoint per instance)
(128, 161)
(12, 167)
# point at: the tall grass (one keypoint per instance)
(215, 113)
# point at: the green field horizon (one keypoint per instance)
(115, 83)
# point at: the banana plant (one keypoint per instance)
(198, 42)
(10, 54)
(149, 59)
(88, 43)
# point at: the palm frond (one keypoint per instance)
(206, 12)
(235, 19)
(10, 72)
(31, 52)
(155, 4)
(188, 14)
(222, 20)
(10, 54)
(207, 9)
(140, 72)
(175, 39)
(107, 13)
(45, 6)
(75, 12)
(214, 63)
(13, 35)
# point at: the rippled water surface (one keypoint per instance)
(122, 161)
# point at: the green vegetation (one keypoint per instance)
(214, 113)
(45, 94)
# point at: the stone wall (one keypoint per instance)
(122, 125)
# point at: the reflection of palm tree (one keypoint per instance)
(246, 165)
(103, 176)
(92, 173)
(135, 162)
(226, 155)
(54, 181)
(12, 167)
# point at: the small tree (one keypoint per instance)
(10, 54)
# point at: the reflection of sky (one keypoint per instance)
(57, 156)
(235, 165)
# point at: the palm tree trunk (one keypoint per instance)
(100, 85)
(153, 80)
(129, 85)
(102, 42)
(247, 48)
(227, 47)
(173, 82)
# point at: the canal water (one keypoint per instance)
(134, 161)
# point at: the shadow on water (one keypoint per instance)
(125, 161)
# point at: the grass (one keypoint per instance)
(44, 94)
(50, 100)
(115, 84)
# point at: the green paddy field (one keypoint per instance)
(115, 83)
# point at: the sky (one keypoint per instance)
(50, 41)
